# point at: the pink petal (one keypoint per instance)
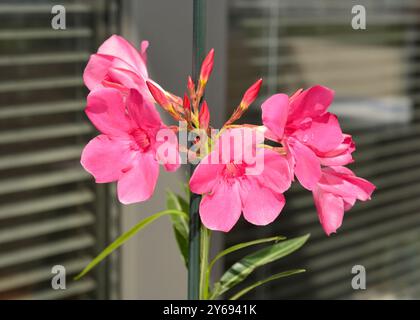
(261, 205)
(117, 46)
(96, 70)
(274, 113)
(324, 133)
(311, 103)
(342, 181)
(143, 50)
(307, 167)
(276, 174)
(330, 210)
(142, 111)
(106, 110)
(172, 167)
(238, 145)
(138, 183)
(206, 175)
(167, 149)
(106, 158)
(340, 160)
(222, 209)
(341, 155)
(130, 80)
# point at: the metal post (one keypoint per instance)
(199, 24)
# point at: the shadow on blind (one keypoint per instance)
(49, 207)
(375, 74)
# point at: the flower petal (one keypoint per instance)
(221, 210)
(311, 103)
(167, 149)
(276, 174)
(274, 113)
(106, 110)
(261, 205)
(307, 166)
(342, 181)
(142, 111)
(106, 158)
(117, 46)
(139, 182)
(130, 80)
(324, 133)
(330, 210)
(206, 175)
(341, 155)
(96, 70)
(143, 50)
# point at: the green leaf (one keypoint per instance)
(243, 268)
(241, 246)
(259, 283)
(179, 223)
(126, 236)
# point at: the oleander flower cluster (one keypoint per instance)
(241, 169)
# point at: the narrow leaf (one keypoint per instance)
(124, 237)
(259, 283)
(179, 223)
(243, 268)
(242, 246)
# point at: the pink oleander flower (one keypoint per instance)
(336, 192)
(132, 143)
(229, 186)
(311, 135)
(120, 65)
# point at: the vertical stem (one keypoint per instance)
(204, 275)
(194, 238)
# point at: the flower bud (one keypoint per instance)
(204, 116)
(159, 95)
(207, 67)
(186, 104)
(251, 94)
(190, 86)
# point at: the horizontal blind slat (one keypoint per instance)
(41, 109)
(46, 203)
(58, 247)
(54, 225)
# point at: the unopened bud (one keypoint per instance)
(207, 67)
(158, 94)
(251, 94)
(204, 116)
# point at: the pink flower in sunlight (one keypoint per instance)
(311, 135)
(336, 192)
(229, 186)
(128, 148)
(120, 65)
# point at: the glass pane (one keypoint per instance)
(375, 75)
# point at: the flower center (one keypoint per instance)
(141, 139)
(233, 170)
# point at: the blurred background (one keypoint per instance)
(52, 213)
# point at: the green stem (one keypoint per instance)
(204, 261)
(194, 237)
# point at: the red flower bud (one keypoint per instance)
(204, 116)
(207, 67)
(159, 95)
(191, 85)
(251, 94)
(186, 103)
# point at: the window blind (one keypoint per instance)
(375, 75)
(51, 212)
